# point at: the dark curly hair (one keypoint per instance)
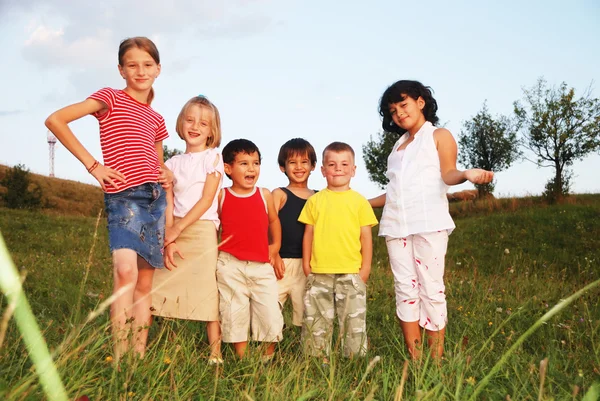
(397, 93)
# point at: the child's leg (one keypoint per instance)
(213, 330)
(406, 284)
(240, 348)
(125, 273)
(318, 314)
(429, 253)
(142, 302)
(297, 289)
(234, 301)
(351, 308)
(266, 317)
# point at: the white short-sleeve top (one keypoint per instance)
(416, 199)
(190, 171)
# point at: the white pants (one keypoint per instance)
(417, 263)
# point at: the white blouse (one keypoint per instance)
(190, 171)
(416, 199)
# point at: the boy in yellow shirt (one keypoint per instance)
(336, 256)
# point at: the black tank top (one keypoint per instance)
(292, 230)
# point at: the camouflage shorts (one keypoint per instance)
(327, 295)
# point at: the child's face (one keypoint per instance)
(338, 169)
(408, 113)
(196, 127)
(298, 168)
(244, 171)
(139, 69)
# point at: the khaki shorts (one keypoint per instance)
(248, 293)
(292, 284)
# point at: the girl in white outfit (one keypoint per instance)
(416, 221)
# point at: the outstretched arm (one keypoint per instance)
(58, 124)
(378, 201)
(447, 152)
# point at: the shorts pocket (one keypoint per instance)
(359, 285)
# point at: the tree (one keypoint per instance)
(559, 129)
(488, 143)
(168, 153)
(20, 192)
(375, 155)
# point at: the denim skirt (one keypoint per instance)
(136, 221)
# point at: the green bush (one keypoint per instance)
(20, 193)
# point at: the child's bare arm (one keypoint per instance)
(366, 252)
(307, 241)
(378, 201)
(274, 226)
(165, 177)
(279, 198)
(211, 186)
(58, 124)
(447, 152)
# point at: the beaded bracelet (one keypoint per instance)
(93, 166)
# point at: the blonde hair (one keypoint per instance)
(214, 140)
(142, 43)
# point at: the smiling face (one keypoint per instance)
(139, 70)
(338, 169)
(196, 127)
(408, 113)
(244, 172)
(298, 168)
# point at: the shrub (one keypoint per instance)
(20, 193)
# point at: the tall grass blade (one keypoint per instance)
(555, 310)
(10, 283)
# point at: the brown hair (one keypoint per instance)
(142, 43)
(214, 140)
(338, 147)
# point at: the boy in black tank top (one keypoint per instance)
(297, 159)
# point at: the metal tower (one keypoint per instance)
(51, 143)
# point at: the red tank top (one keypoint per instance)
(244, 220)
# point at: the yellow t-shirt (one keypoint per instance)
(337, 218)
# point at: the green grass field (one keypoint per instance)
(509, 262)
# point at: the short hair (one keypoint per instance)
(338, 147)
(215, 138)
(238, 146)
(296, 146)
(142, 43)
(398, 92)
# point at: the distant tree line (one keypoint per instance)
(550, 122)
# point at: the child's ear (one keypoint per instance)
(282, 169)
(227, 168)
(421, 103)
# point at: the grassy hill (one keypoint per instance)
(65, 196)
(509, 262)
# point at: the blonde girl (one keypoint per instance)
(188, 289)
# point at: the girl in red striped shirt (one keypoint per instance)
(131, 136)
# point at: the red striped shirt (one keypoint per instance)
(128, 133)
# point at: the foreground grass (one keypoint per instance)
(504, 272)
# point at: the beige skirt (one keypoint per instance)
(190, 290)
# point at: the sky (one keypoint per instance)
(280, 69)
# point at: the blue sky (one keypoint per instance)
(283, 69)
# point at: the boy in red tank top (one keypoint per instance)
(245, 277)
